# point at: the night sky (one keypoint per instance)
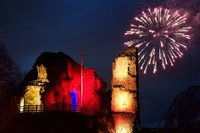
(30, 27)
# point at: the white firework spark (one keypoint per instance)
(161, 35)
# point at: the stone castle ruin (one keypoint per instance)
(57, 81)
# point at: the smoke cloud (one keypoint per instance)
(192, 7)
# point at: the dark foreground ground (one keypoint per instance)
(70, 122)
(52, 122)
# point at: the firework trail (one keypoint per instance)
(160, 35)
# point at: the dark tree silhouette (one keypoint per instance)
(10, 76)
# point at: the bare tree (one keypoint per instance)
(9, 79)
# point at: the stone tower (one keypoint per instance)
(124, 103)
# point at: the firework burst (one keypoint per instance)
(161, 36)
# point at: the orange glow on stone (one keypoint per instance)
(121, 68)
(123, 123)
(42, 73)
(123, 101)
(124, 91)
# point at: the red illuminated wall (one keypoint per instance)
(64, 75)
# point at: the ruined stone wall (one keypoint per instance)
(124, 103)
(58, 75)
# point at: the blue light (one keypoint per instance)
(73, 95)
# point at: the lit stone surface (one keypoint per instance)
(128, 84)
(120, 70)
(32, 97)
(123, 123)
(124, 72)
(42, 73)
(32, 94)
(123, 101)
